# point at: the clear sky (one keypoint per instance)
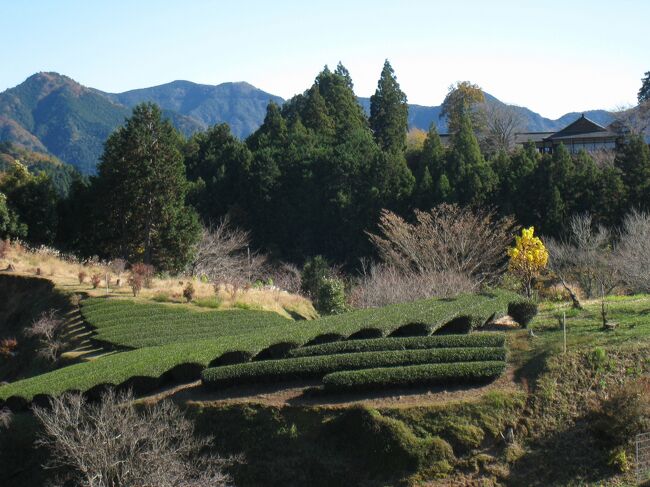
(551, 56)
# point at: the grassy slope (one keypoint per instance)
(564, 388)
(156, 360)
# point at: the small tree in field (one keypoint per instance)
(528, 258)
(111, 443)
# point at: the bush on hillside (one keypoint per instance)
(82, 277)
(313, 274)
(188, 292)
(95, 280)
(522, 312)
(145, 271)
(135, 282)
(330, 299)
(624, 413)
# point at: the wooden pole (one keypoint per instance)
(564, 328)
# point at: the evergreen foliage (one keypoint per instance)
(389, 112)
(142, 186)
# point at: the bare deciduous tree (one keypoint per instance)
(6, 417)
(382, 284)
(111, 444)
(502, 122)
(633, 251)
(633, 120)
(223, 255)
(48, 329)
(446, 239)
(585, 258)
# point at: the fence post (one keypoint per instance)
(564, 328)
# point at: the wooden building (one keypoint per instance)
(583, 134)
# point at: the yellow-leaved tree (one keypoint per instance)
(528, 258)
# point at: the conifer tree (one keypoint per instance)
(142, 188)
(389, 112)
(633, 159)
(470, 176)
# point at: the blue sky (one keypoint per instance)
(551, 56)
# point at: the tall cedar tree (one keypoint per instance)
(142, 187)
(389, 112)
(633, 158)
(470, 176)
(430, 169)
(322, 178)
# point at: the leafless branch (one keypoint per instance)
(446, 239)
(111, 444)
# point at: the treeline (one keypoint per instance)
(313, 179)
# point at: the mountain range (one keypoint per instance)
(53, 114)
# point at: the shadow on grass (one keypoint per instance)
(569, 457)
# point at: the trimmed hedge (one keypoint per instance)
(317, 366)
(402, 343)
(522, 312)
(413, 375)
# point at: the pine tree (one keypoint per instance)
(142, 188)
(389, 112)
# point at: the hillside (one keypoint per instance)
(53, 114)
(367, 398)
(62, 174)
(240, 105)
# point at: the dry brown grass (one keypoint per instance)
(64, 272)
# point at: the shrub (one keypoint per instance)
(145, 271)
(413, 375)
(135, 282)
(188, 292)
(522, 312)
(82, 277)
(318, 366)
(8, 347)
(313, 274)
(405, 343)
(330, 299)
(625, 413)
(95, 280)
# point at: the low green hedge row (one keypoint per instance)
(402, 343)
(413, 375)
(317, 366)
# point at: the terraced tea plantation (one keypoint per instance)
(163, 343)
(390, 363)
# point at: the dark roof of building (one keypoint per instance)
(581, 127)
(523, 137)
